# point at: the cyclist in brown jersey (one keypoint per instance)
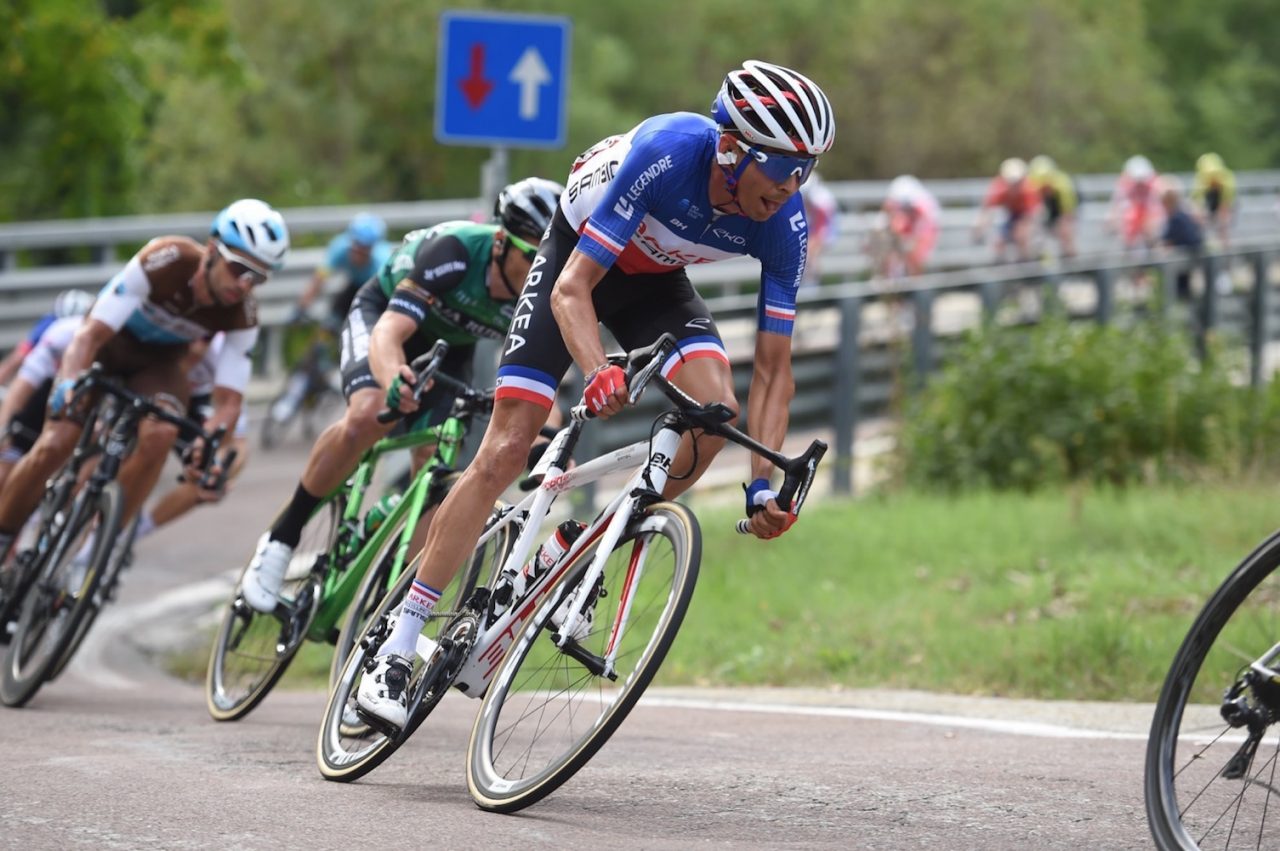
(172, 292)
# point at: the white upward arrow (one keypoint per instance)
(530, 73)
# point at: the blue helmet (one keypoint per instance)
(255, 229)
(367, 229)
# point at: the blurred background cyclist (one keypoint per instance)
(1061, 201)
(1214, 194)
(68, 303)
(356, 254)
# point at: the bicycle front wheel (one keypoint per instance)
(253, 649)
(61, 595)
(1213, 756)
(549, 709)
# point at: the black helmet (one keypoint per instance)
(525, 208)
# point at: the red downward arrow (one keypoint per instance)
(476, 87)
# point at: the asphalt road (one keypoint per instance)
(117, 754)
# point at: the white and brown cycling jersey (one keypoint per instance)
(152, 305)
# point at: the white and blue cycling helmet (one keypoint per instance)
(367, 229)
(254, 229)
(775, 107)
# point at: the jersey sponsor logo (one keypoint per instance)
(797, 221)
(444, 269)
(623, 208)
(161, 257)
(648, 176)
(730, 236)
(700, 322)
(597, 176)
(678, 224)
(404, 305)
(525, 304)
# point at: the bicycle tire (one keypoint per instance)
(1237, 621)
(539, 682)
(253, 649)
(346, 752)
(121, 551)
(56, 500)
(59, 599)
(375, 585)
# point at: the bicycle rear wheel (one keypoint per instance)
(347, 748)
(1213, 756)
(61, 595)
(548, 710)
(253, 649)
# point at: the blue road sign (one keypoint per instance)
(502, 79)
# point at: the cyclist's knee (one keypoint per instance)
(360, 424)
(54, 446)
(156, 438)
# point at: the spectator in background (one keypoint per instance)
(1181, 229)
(911, 213)
(1214, 194)
(1135, 211)
(823, 213)
(1061, 201)
(357, 254)
(1011, 191)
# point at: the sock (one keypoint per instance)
(415, 610)
(146, 525)
(288, 529)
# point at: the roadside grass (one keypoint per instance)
(1074, 594)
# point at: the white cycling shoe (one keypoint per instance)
(260, 586)
(384, 691)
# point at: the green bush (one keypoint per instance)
(1021, 408)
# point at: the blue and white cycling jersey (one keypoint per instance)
(338, 259)
(640, 201)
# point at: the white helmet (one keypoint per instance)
(1013, 170)
(905, 189)
(1139, 168)
(254, 229)
(775, 107)
(72, 303)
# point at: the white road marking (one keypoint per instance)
(992, 725)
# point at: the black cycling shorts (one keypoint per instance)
(27, 423)
(369, 304)
(636, 309)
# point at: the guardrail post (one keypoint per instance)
(1169, 271)
(922, 335)
(989, 292)
(1105, 283)
(847, 368)
(104, 255)
(1260, 328)
(8, 260)
(1208, 305)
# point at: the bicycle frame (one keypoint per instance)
(338, 587)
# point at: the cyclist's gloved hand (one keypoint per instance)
(767, 520)
(60, 397)
(606, 391)
(400, 393)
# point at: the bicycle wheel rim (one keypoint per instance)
(544, 714)
(60, 596)
(252, 649)
(1190, 803)
(346, 751)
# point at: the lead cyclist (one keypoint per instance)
(677, 189)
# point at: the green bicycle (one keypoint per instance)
(344, 564)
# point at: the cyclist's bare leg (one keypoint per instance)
(417, 458)
(707, 380)
(186, 496)
(340, 446)
(26, 483)
(141, 470)
(498, 462)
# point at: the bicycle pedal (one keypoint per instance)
(377, 724)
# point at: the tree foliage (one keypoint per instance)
(151, 105)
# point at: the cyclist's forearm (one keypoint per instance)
(575, 314)
(91, 337)
(227, 404)
(19, 393)
(313, 289)
(769, 413)
(386, 346)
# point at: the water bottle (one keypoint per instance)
(513, 585)
(379, 512)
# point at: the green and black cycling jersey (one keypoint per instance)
(439, 278)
